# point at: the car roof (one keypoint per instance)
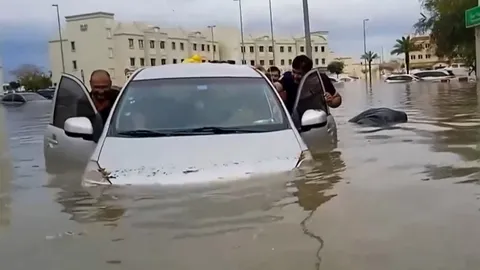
(196, 71)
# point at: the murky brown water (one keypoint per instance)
(404, 198)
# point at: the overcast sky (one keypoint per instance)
(26, 25)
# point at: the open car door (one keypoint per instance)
(64, 154)
(310, 102)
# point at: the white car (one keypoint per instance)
(401, 78)
(181, 124)
(440, 75)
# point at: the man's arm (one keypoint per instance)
(334, 99)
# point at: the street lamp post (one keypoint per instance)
(241, 31)
(306, 26)
(60, 36)
(365, 44)
(271, 31)
(213, 41)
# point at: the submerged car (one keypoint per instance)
(47, 93)
(18, 99)
(434, 75)
(401, 78)
(181, 124)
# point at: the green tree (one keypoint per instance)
(336, 67)
(32, 77)
(405, 46)
(445, 21)
(369, 57)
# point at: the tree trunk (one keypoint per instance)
(407, 62)
(370, 71)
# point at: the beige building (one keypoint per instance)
(425, 57)
(96, 41)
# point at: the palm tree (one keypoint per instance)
(369, 57)
(405, 46)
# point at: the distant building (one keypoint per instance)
(97, 41)
(425, 58)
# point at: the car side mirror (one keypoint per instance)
(313, 119)
(79, 127)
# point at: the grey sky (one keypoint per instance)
(389, 19)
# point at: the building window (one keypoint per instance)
(203, 47)
(153, 62)
(182, 46)
(427, 56)
(302, 49)
(252, 49)
(142, 61)
(270, 49)
(316, 61)
(270, 62)
(208, 47)
(261, 49)
(194, 46)
(290, 49)
(140, 44)
(72, 46)
(110, 52)
(281, 49)
(162, 44)
(132, 61)
(174, 47)
(412, 57)
(152, 44)
(316, 48)
(282, 62)
(262, 62)
(163, 61)
(420, 57)
(130, 43)
(214, 48)
(289, 61)
(252, 62)
(83, 27)
(242, 48)
(109, 33)
(74, 65)
(323, 61)
(174, 60)
(322, 49)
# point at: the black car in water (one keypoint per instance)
(46, 93)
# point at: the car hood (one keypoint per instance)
(198, 159)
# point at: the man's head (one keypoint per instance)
(300, 66)
(274, 73)
(101, 83)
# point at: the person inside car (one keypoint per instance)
(289, 83)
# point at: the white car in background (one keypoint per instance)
(401, 78)
(440, 75)
(181, 124)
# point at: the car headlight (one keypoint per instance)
(305, 159)
(94, 175)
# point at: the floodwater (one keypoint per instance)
(405, 198)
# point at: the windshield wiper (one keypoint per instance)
(145, 133)
(219, 130)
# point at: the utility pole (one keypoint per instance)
(241, 31)
(213, 41)
(306, 26)
(271, 31)
(365, 44)
(60, 36)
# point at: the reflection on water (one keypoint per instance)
(382, 199)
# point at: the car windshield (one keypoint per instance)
(431, 74)
(400, 78)
(198, 105)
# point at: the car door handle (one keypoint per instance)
(52, 142)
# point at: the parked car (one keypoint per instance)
(178, 124)
(46, 93)
(401, 78)
(440, 75)
(18, 99)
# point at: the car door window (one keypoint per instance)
(18, 98)
(310, 96)
(71, 100)
(7, 98)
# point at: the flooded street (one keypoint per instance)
(404, 198)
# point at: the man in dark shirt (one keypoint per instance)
(301, 65)
(103, 95)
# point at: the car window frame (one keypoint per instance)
(112, 132)
(81, 86)
(321, 86)
(12, 99)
